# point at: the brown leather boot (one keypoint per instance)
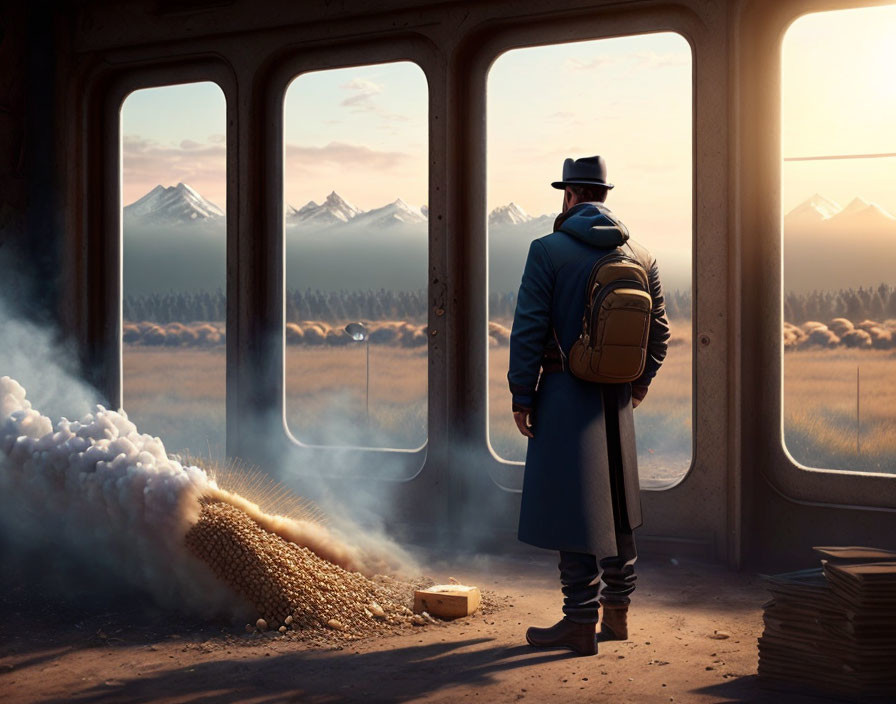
(578, 637)
(614, 622)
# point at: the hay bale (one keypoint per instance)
(130, 334)
(840, 326)
(314, 335)
(881, 338)
(856, 339)
(207, 334)
(500, 333)
(384, 335)
(866, 325)
(822, 337)
(793, 336)
(811, 325)
(154, 336)
(294, 334)
(337, 337)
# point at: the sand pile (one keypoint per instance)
(289, 586)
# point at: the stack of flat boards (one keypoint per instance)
(833, 628)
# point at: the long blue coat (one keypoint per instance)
(567, 502)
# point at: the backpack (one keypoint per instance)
(612, 348)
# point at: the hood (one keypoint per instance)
(594, 224)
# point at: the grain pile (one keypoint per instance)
(102, 492)
(289, 586)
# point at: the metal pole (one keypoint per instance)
(367, 380)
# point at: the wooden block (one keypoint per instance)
(447, 601)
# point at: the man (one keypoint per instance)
(580, 492)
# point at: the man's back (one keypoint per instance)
(580, 488)
(561, 264)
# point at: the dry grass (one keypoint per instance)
(178, 394)
(820, 409)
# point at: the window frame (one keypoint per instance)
(218, 75)
(293, 438)
(99, 276)
(390, 464)
(649, 486)
(763, 272)
(508, 474)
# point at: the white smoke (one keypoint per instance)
(110, 495)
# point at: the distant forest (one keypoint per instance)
(854, 304)
(330, 306)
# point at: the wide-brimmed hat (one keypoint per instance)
(587, 171)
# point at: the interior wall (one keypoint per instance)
(744, 502)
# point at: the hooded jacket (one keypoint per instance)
(584, 433)
(564, 259)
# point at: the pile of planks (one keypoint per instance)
(833, 628)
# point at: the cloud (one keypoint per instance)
(217, 138)
(650, 59)
(343, 154)
(146, 162)
(362, 92)
(580, 65)
(362, 99)
(641, 59)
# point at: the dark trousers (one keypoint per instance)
(586, 579)
(611, 579)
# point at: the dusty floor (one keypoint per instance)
(123, 652)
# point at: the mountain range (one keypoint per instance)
(333, 245)
(182, 204)
(817, 209)
(827, 246)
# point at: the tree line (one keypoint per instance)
(384, 304)
(854, 304)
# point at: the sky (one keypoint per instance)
(363, 131)
(839, 97)
(628, 99)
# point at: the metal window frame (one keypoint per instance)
(99, 252)
(503, 49)
(764, 26)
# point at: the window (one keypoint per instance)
(839, 239)
(356, 229)
(173, 190)
(628, 99)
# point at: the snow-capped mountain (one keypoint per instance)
(172, 206)
(510, 214)
(858, 213)
(814, 209)
(332, 211)
(862, 233)
(395, 213)
(861, 212)
(336, 211)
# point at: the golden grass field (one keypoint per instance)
(820, 409)
(178, 394)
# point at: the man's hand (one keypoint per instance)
(523, 420)
(638, 394)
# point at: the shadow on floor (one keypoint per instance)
(747, 690)
(400, 675)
